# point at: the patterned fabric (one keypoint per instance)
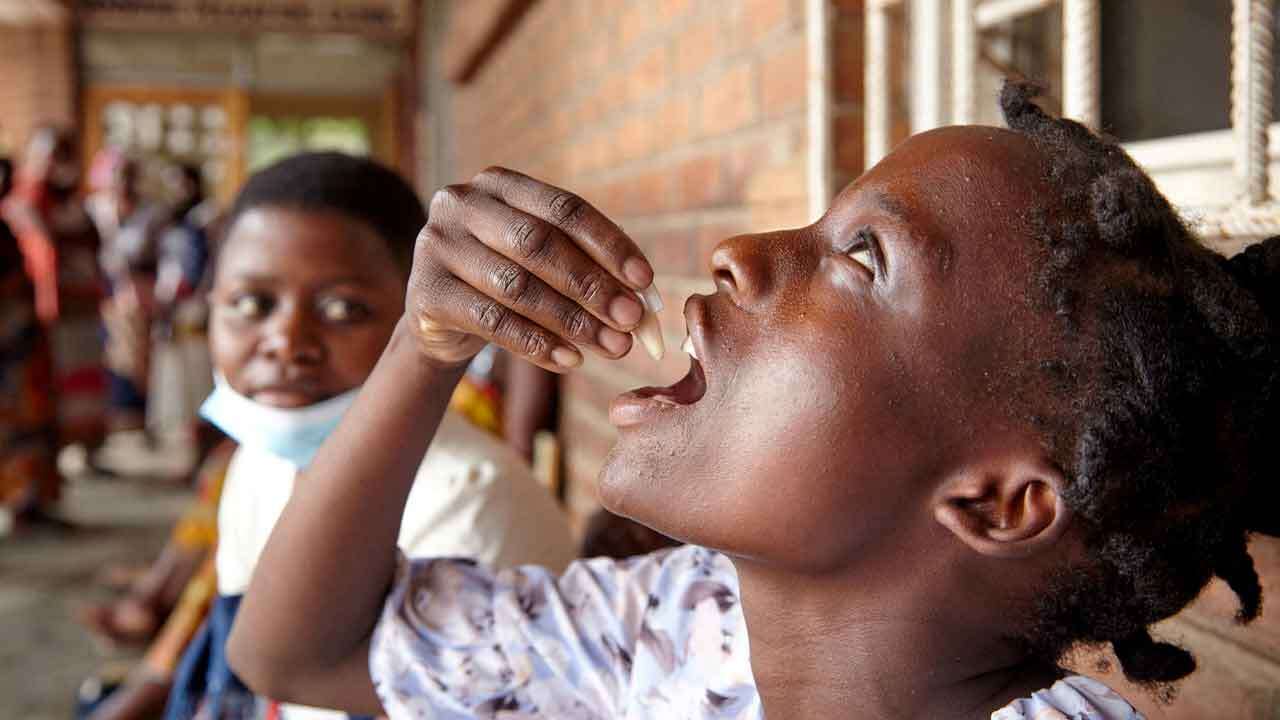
(1071, 698)
(197, 529)
(28, 434)
(60, 252)
(658, 636)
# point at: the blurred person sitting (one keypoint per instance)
(165, 606)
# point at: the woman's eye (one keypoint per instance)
(251, 305)
(864, 256)
(862, 249)
(340, 310)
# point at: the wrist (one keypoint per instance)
(407, 352)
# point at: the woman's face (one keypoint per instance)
(303, 304)
(843, 368)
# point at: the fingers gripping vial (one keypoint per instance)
(649, 332)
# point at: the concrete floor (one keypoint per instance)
(44, 577)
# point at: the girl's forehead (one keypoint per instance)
(272, 240)
(954, 178)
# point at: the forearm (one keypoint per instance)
(528, 405)
(320, 583)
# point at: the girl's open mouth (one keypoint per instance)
(640, 405)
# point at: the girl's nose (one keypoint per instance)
(740, 267)
(290, 339)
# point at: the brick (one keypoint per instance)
(782, 80)
(673, 120)
(742, 162)
(631, 139)
(697, 46)
(786, 182)
(700, 182)
(593, 54)
(672, 10)
(635, 22)
(647, 193)
(709, 238)
(779, 215)
(611, 95)
(669, 250)
(729, 101)
(762, 17)
(648, 75)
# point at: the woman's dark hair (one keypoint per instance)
(1167, 384)
(333, 182)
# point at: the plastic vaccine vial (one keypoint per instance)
(649, 332)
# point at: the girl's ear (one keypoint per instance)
(1007, 506)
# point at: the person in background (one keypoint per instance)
(115, 194)
(28, 475)
(182, 371)
(59, 248)
(307, 287)
(130, 228)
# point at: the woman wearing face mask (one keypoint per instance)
(308, 284)
(60, 254)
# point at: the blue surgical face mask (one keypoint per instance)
(294, 434)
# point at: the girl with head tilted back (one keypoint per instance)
(996, 402)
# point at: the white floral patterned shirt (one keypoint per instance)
(660, 636)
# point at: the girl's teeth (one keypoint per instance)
(687, 347)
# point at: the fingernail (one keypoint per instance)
(613, 341)
(566, 357)
(652, 299)
(625, 310)
(638, 272)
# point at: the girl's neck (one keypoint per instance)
(830, 648)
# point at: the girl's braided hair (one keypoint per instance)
(1168, 381)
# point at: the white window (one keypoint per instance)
(1186, 85)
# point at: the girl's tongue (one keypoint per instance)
(687, 391)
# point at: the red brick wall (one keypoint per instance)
(684, 120)
(37, 81)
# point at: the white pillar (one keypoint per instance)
(964, 62)
(1252, 78)
(1081, 79)
(927, 24)
(818, 75)
(875, 87)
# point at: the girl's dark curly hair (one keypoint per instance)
(1168, 383)
(356, 187)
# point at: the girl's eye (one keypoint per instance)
(341, 310)
(862, 249)
(864, 256)
(251, 306)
